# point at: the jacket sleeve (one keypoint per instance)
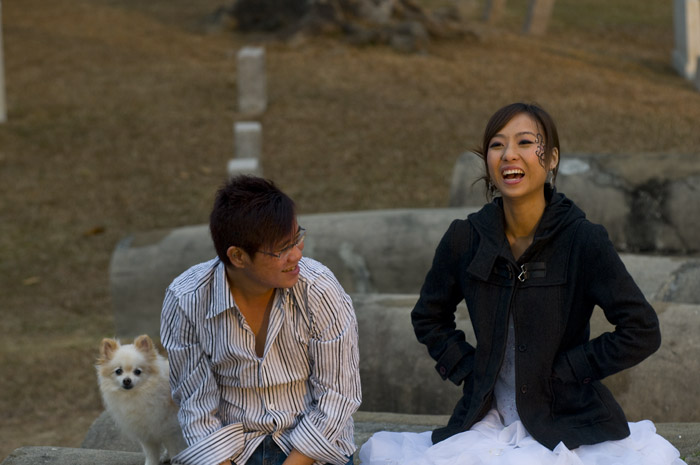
(612, 288)
(433, 316)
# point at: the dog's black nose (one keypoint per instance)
(127, 382)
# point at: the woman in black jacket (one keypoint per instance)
(531, 269)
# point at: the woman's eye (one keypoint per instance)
(526, 142)
(495, 145)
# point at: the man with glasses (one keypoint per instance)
(262, 342)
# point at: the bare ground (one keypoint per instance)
(120, 120)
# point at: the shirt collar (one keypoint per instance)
(222, 299)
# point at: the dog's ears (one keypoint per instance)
(107, 348)
(144, 344)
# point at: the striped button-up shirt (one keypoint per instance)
(302, 392)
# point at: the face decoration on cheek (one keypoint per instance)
(540, 150)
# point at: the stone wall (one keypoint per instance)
(381, 258)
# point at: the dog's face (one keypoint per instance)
(125, 367)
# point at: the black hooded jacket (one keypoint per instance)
(550, 291)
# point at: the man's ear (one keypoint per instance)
(237, 256)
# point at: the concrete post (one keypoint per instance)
(3, 105)
(494, 10)
(247, 141)
(686, 27)
(252, 84)
(247, 138)
(538, 15)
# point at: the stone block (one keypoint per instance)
(140, 270)
(71, 456)
(665, 278)
(398, 374)
(244, 166)
(683, 212)
(684, 436)
(367, 252)
(466, 187)
(686, 26)
(538, 15)
(251, 80)
(599, 194)
(664, 387)
(247, 139)
(493, 10)
(642, 199)
(104, 434)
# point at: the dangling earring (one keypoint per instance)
(550, 178)
(490, 188)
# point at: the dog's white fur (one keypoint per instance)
(133, 380)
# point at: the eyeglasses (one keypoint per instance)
(283, 253)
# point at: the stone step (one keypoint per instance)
(684, 436)
(379, 251)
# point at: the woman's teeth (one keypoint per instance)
(513, 173)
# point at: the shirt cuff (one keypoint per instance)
(224, 444)
(309, 441)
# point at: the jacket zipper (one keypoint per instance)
(522, 277)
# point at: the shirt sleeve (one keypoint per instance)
(195, 390)
(325, 432)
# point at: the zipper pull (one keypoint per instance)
(522, 277)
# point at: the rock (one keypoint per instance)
(643, 200)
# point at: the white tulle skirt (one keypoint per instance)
(489, 442)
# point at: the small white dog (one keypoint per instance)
(133, 380)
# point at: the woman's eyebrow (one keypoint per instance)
(521, 133)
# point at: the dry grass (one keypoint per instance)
(120, 115)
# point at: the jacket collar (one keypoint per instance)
(490, 225)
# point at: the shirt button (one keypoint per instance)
(443, 371)
(523, 388)
(522, 347)
(586, 380)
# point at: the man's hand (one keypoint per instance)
(297, 458)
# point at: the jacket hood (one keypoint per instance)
(489, 222)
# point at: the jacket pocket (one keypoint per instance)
(581, 403)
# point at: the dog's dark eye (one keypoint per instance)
(137, 372)
(118, 371)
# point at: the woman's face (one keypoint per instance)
(515, 159)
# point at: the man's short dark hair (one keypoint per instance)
(251, 213)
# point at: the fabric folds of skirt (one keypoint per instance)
(489, 442)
